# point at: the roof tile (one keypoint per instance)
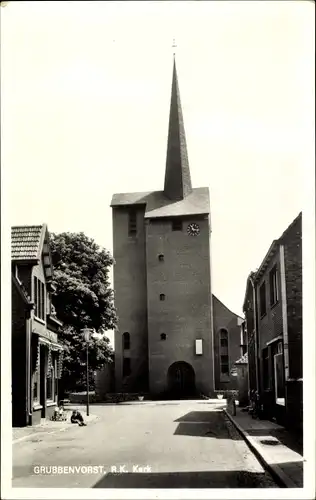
(25, 242)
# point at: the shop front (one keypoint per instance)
(47, 357)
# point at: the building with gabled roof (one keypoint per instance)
(36, 352)
(165, 342)
(273, 312)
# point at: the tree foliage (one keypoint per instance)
(83, 298)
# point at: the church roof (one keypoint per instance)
(177, 176)
(158, 205)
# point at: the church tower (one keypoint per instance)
(162, 279)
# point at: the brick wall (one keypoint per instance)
(270, 325)
(292, 242)
(18, 366)
(130, 299)
(185, 314)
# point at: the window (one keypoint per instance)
(126, 367)
(177, 225)
(224, 359)
(50, 385)
(55, 380)
(163, 336)
(263, 305)
(132, 222)
(36, 312)
(223, 333)
(36, 380)
(162, 296)
(161, 257)
(224, 365)
(39, 299)
(42, 300)
(126, 341)
(273, 286)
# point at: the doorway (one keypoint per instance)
(181, 380)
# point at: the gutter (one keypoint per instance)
(284, 314)
(252, 281)
(28, 372)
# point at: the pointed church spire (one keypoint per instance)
(177, 176)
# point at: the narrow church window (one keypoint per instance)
(161, 257)
(163, 336)
(177, 225)
(224, 365)
(132, 223)
(126, 341)
(162, 296)
(126, 367)
(224, 338)
(224, 360)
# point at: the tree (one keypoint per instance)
(83, 298)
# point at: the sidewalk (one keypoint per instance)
(48, 426)
(274, 446)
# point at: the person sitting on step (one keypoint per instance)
(77, 418)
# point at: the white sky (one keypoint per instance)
(85, 103)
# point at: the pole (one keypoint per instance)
(87, 378)
(256, 330)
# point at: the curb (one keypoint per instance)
(277, 473)
(45, 433)
(24, 438)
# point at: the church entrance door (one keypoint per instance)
(181, 380)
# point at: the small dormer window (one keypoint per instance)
(162, 296)
(161, 257)
(163, 336)
(177, 225)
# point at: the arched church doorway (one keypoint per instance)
(181, 380)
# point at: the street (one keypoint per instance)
(170, 444)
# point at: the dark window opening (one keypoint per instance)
(36, 312)
(161, 257)
(224, 365)
(126, 341)
(223, 333)
(126, 367)
(273, 286)
(132, 223)
(177, 225)
(163, 336)
(39, 298)
(263, 304)
(162, 296)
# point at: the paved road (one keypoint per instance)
(182, 444)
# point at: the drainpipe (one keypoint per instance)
(28, 372)
(255, 328)
(284, 314)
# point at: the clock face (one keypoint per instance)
(193, 229)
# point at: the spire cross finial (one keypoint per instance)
(174, 46)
